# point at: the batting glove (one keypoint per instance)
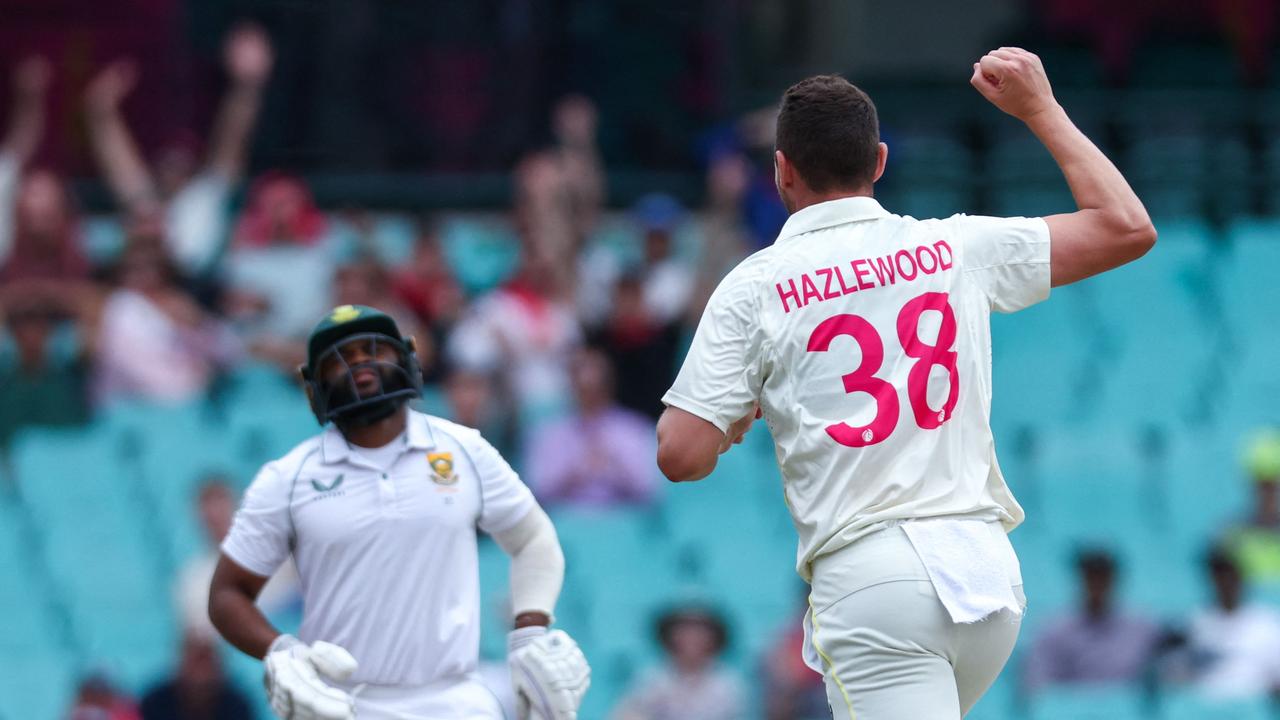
(294, 687)
(549, 673)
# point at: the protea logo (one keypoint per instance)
(321, 487)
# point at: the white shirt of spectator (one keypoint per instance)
(191, 593)
(1238, 651)
(814, 327)
(10, 174)
(142, 352)
(531, 343)
(387, 559)
(197, 221)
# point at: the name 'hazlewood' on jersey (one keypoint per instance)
(865, 273)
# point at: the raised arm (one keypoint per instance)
(1111, 227)
(26, 121)
(248, 60)
(116, 152)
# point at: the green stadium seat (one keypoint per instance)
(1189, 706)
(39, 686)
(929, 175)
(1168, 170)
(1186, 64)
(481, 254)
(1088, 703)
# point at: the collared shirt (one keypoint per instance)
(665, 693)
(1236, 654)
(601, 459)
(387, 558)
(865, 338)
(1076, 648)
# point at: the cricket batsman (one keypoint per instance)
(863, 339)
(379, 512)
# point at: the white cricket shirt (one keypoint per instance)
(387, 559)
(866, 339)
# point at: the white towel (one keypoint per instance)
(972, 566)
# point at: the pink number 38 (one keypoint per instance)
(863, 378)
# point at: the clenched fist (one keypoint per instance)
(1014, 81)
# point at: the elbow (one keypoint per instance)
(1144, 238)
(679, 466)
(1137, 234)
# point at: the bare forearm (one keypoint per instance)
(1095, 182)
(688, 447)
(233, 128)
(121, 162)
(240, 621)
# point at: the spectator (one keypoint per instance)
(216, 506)
(472, 402)
(544, 220)
(1097, 643)
(602, 454)
(193, 203)
(198, 691)
(39, 249)
(279, 266)
(727, 239)
(1233, 647)
(666, 280)
(524, 334)
(560, 192)
(574, 121)
(154, 342)
(793, 691)
(39, 384)
(96, 699)
(426, 287)
(641, 347)
(364, 281)
(692, 685)
(1255, 543)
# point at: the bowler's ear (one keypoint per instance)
(411, 343)
(783, 169)
(882, 158)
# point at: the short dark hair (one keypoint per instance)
(1095, 560)
(829, 131)
(694, 614)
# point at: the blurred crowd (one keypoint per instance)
(210, 270)
(561, 362)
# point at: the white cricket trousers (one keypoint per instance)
(464, 698)
(885, 645)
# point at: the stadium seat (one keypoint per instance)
(39, 687)
(928, 175)
(1190, 706)
(480, 254)
(1167, 168)
(1088, 703)
(1025, 180)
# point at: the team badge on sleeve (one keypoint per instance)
(442, 468)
